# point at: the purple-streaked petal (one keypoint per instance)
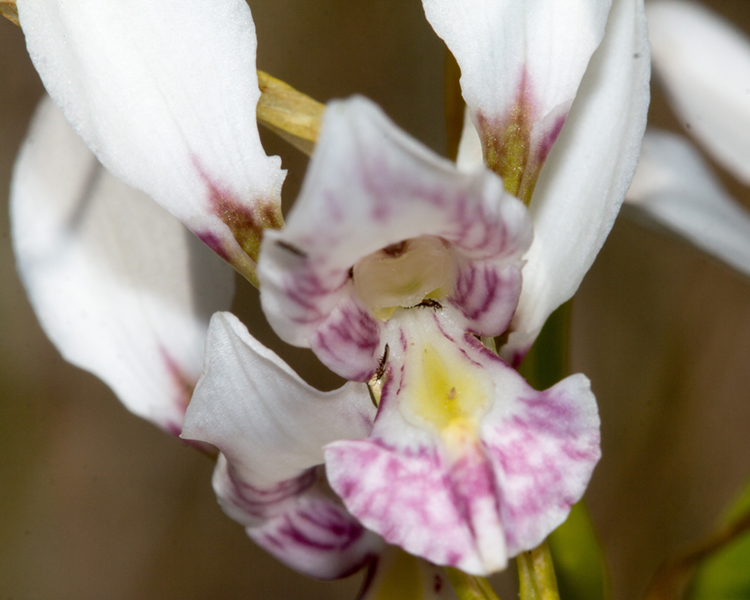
(466, 465)
(119, 286)
(544, 447)
(164, 94)
(583, 184)
(703, 61)
(370, 186)
(675, 187)
(270, 428)
(396, 575)
(521, 64)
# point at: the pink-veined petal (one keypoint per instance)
(369, 186)
(270, 428)
(583, 184)
(164, 93)
(703, 61)
(396, 575)
(119, 285)
(521, 64)
(466, 465)
(675, 187)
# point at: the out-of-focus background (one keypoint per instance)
(95, 503)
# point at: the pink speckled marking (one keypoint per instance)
(416, 498)
(472, 506)
(545, 455)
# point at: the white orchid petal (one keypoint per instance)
(270, 428)
(521, 64)
(704, 62)
(467, 465)
(370, 186)
(119, 286)
(583, 184)
(675, 187)
(164, 93)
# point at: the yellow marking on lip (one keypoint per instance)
(445, 393)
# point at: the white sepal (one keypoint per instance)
(584, 181)
(118, 284)
(164, 94)
(675, 187)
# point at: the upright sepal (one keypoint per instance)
(119, 286)
(164, 94)
(521, 65)
(588, 172)
(270, 428)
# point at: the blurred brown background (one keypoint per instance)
(97, 504)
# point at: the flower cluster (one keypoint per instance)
(396, 267)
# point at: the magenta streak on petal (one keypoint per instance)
(472, 228)
(487, 295)
(308, 291)
(343, 532)
(245, 218)
(317, 536)
(183, 385)
(550, 137)
(214, 242)
(517, 144)
(262, 503)
(348, 342)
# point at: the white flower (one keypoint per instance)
(392, 264)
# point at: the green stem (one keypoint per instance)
(470, 587)
(536, 575)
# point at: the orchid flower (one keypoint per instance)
(393, 264)
(704, 63)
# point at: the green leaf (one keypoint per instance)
(726, 574)
(580, 565)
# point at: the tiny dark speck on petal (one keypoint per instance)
(637, 55)
(291, 248)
